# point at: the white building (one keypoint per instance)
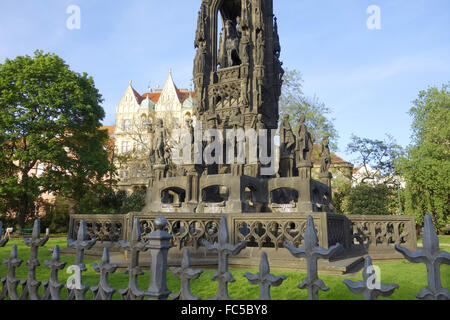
(135, 116)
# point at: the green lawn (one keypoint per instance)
(442, 239)
(410, 277)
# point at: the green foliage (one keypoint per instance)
(294, 103)
(426, 167)
(111, 202)
(57, 216)
(366, 199)
(49, 115)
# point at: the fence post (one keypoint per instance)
(264, 279)
(159, 245)
(31, 286)
(134, 247)
(80, 245)
(52, 288)
(4, 241)
(11, 282)
(224, 249)
(186, 274)
(312, 252)
(433, 257)
(103, 291)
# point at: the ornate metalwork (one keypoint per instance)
(52, 288)
(224, 249)
(134, 247)
(264, 279)
(11, 282)
(103, 290)
(368, 286)
(80, 245)
(186, 274)
(312, 252)
(159, 245)
(433, 257)
(31, 286)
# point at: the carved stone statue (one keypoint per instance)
(287, 138)
(325, 156)
(258, 15)
(159, 142)
(305, 142)
(231, 44)
(238, 120)
(260, 51)
(245, 41)
(245, 20)
(245, 92)
(258, 124)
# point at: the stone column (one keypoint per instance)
(159, 245)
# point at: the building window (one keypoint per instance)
(127, 125)
(126, 146)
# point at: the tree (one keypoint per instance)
(379, 155)
(426, 166)
(294, 103)
(49, 116)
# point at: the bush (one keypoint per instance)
(366, 199)
(57, 216)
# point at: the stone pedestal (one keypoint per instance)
(325, 178)
(304, 169)
(286, 166)
(159, 171)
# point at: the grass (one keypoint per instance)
(409, 276)
(442, 239)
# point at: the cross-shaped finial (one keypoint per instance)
(134, 247)
(369, 285)
(433, 257)
(224, 249)
(186, 274)
(312, 252)
(80, 245)
(264, 279)
(103, 290)
(31, 286)
(52, 288)
(11, 281)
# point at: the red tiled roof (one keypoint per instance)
(183, 94)
(334, 158)
(110, 129)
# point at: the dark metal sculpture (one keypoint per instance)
(80, 245)
(52, 288)
(224, 249)
(433, 257)
(31, 286)
(369, 285)
(10, 283)
(264, 279)
(159, 245)
(186, 274)
(312, 252)
(134, 247)
(103, 291)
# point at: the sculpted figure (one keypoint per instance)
(305, 142)
(261, 45)
(287, 136)
(159, 142)
(325, 156)
(231, 44)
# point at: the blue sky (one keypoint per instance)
(367, 77)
